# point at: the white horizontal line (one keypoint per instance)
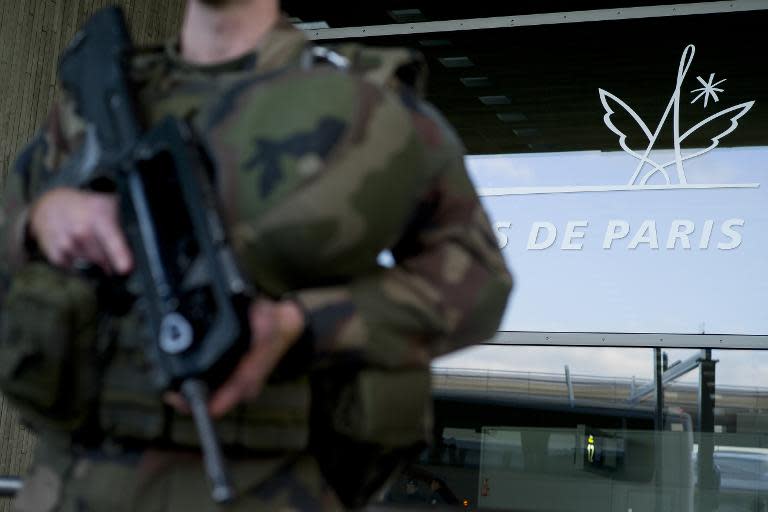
(597, 339)
(527, 20)
(523, 191)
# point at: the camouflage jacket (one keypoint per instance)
(320, 169)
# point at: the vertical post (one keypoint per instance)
(659, 428)
(708, 484)
(569, 383)
(657, 379)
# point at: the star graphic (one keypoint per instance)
(708, 90)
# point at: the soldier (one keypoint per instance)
(324, 161)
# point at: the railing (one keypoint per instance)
(590, 388)
(9, 486)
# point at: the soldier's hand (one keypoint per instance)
(74, 226)
(275, 327)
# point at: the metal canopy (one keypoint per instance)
(535, 88)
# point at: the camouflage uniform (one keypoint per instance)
(320, 169)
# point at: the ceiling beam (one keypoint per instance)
(528, 20)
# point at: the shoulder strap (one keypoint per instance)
(388, 67)
(146, 62)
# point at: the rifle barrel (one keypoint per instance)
(196, 393)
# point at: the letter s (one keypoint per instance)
(735, 236)
(501, 236)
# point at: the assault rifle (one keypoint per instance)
(194, 296)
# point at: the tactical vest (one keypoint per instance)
(72, 368)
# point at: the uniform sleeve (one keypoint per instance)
(448, 287)
(51, 145)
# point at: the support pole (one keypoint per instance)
(658, 380)
(569, 384)
(659, 388)
(708, 480)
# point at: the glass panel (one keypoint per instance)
(509, 436)
(606, 262)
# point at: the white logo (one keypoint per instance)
(646, 167)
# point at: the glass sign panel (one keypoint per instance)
(645, 238)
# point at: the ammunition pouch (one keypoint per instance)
(365, 424)
(354, 408)
(68, 368)
(384, 407)
(48, 365)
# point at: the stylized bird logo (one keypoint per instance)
(613, 104)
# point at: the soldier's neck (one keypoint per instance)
(210, 35)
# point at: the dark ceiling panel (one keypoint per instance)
(551, 75)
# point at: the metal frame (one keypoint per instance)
(528, 20)
(601, 339)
